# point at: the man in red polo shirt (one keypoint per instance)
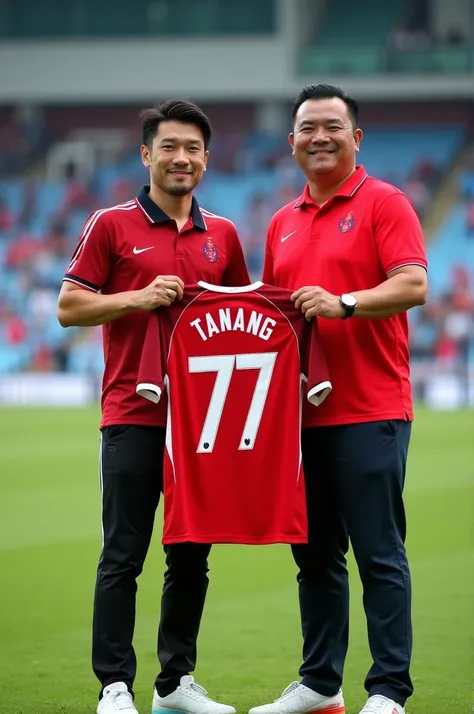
(127, 263)
(352, 247)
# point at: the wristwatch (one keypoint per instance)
(349, 303)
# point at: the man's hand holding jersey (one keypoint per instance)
(161, 292)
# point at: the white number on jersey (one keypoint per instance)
(224, 366)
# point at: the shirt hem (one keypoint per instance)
(127, 420)
(238, 540)
(404, 414)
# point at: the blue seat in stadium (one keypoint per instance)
(12, 192)
(13, 358)
(450, 247)
(394, 151)
(467, 184)
(86, 358)
(50, 196)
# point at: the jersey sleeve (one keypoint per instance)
(314, 366)
(92, 259)
(268, 277)
(150, 380)
(236, 273)
(398, 234)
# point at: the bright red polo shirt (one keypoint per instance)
(124, 248)
(366, 230)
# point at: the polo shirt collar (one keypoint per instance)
(156, 215)
(347, 189)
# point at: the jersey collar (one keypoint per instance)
(156, 215)
(230, 290)
(348, 189)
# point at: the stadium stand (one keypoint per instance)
(41, 218)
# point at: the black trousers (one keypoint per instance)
(354, 479)
(132, 480)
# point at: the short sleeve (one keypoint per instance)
(314, 366)
(236, 273)
(91, 261)
(398, 234)
(150, 380)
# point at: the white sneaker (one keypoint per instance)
(189, 697)
(116, 698)
(298, 699)
(378, 704)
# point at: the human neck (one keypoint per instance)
(323, 187)
(176, 207)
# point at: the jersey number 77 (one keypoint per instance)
(224, 366)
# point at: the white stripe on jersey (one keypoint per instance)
(89, 225)
(208, 214)
(101, 486)
(284, 317)
(359, 185)
(169, 433)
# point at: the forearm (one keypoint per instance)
(395, 295)
(81, 308)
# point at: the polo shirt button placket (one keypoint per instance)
(314, 231)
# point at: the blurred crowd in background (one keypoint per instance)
(41, 217)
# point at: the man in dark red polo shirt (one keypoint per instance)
(352, 247)
(131, 259)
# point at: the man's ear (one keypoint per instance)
(291, 141)
(145, 155)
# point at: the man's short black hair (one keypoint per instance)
(327, 91)
(174, 110)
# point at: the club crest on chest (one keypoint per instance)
(210, 250)
(347, 223)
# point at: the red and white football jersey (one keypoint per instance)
(233, 361)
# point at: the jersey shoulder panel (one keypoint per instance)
(214, 219)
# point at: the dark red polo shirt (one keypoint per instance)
(124, 248)
(352, 243)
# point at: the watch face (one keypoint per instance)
(349, 300)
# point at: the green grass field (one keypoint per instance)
(250, 644)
